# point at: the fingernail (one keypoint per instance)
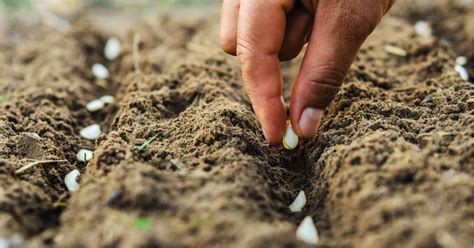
(309, 122)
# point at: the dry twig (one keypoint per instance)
(26, 167)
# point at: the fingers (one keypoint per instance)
(337, 35)
(228, 25)
(298, 26)
(260, 35)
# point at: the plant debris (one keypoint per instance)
(146, 144)
(142, 224)
(26, 167)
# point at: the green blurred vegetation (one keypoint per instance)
(16, 4)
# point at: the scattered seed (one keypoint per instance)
(461, 60)
(298, 203)
(100, 71)
(290, 139)
(26, 167)
(423, 28)
(462, 72)
(112, 48)
(146, 144)
(307, 232)
(107, 99)
(396, 51)
(71, 180)
(91, 132)
(84, 155)
(95, 105)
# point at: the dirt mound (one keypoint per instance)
(391, 166)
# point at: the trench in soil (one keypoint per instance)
(388, 142)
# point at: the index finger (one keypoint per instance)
(260, 35)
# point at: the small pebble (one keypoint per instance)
(112, 48)
(307, 232)
(396, 51)
(298, 203)
(423, 28)
(107, 99)
(462, 72)
(95, 105)
(290, 139)
(91, 132)
(84, 155)
(461, 60)
(100, 71)
(71, 180)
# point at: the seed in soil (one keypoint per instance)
(461, 60)
(95, 105)
(307, 232)
(146, 144)
(462, 72)
(91, 132)
(107, 99)
(298, 203)
(100, 71)
(112, 48)
(395, 51)
(71, 180)
(3, 98)
(84, 155)
(423, 28)
(290, 139)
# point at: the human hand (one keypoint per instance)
(263, 32)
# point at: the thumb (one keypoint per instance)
(339, 31)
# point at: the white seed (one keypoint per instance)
(71, 180)
(290, 139)
(112, 48)
(461, 60)
(395, 50)
(107, 99)
(423, 28)
(100, 71)
(307, 232)
(298, 203)
(91, 132)
(84, 155)
(462, 72)
(95, 105)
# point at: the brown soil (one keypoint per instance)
(391, 166)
